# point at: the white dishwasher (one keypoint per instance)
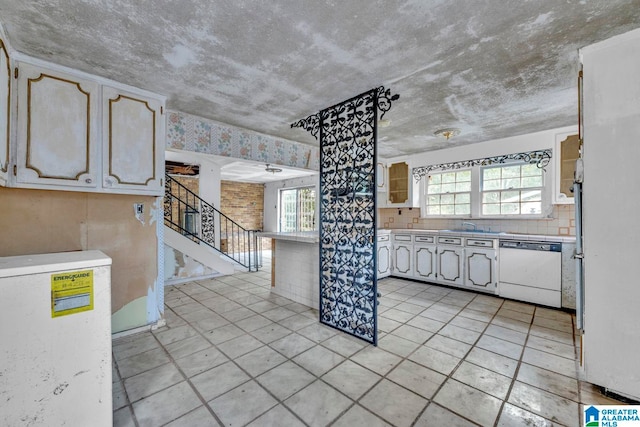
(531, 271)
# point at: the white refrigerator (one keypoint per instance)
(611, 214)
(55, 340)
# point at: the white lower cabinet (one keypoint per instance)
(402, 257)
(480, 267)
(449, 260)
(383, 256)
(425, 262)
(450, 265)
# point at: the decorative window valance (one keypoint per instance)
(540, 158)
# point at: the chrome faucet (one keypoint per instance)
(471, 224)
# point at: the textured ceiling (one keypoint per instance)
(491, 68)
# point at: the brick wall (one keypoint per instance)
(191, 182)
(243, 202)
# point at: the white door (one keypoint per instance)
(481, 269)
(5, 108)
(425, 262)
(384, 261)
(450, 264)
(133, 150)
(402, 260)
(57, 129)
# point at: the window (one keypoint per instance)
(512, 190)
(298, 209)
(448, 193)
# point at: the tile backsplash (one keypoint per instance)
(561, 222)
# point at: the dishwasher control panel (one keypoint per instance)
(531, 246)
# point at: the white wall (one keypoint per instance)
(271, 194)
(515, 144)
(209, 180)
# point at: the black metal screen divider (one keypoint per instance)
(341, 306)
(347, 254)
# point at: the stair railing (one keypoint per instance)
(186, 213)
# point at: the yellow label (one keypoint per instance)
(71, 292)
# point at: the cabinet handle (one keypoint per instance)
(88, 180)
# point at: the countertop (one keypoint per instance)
(501, 236)
(313, 236)
(301, 236)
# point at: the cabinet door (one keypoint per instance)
(450, 265)
(425, 262)
(5, 108)
(57, 138)
(133, 151)
(384, 261)
(480, 266)
(402, 255)
(381, 181)
(398, 183)
(567, 151)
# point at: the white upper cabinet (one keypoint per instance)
(566, 152)
(57, 129)
(78, 132)
(400, 189)
(131, 128)
(381, 179)
(5, 108)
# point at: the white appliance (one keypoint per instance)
(610, 214)
(531, 271)
(55, 330)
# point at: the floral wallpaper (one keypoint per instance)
(191, 133)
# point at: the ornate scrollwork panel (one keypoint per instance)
(540, 158)
(208, 226)
(347, 208)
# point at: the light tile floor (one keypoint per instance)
(233, 354)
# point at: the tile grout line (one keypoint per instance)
(321, 344)
(129, 404)
(251, 377)
(455, 368)
(188, 380)
(517, 370)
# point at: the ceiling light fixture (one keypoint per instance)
(272, 169)
(447, 133)
(384, 123)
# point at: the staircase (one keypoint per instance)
(190, 222)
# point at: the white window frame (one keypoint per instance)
(544, 189)
(298, 189)
(424, 196)
(476, 196)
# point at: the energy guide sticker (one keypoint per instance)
(71, 292)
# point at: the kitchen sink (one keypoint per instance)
(466, 230)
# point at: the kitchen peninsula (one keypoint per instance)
(294, 266)
(474, 260)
